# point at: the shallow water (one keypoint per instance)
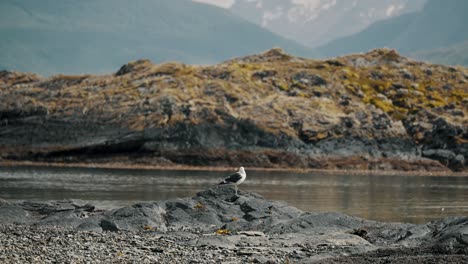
(414, 199)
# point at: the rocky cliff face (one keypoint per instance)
(370, 111)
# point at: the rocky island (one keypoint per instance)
(217, 226)
(372, 111)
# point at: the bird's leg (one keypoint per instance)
(235, 186)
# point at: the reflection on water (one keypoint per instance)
(413, 199)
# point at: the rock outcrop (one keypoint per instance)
(219, 218)
(373, 111)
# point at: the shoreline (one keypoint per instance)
(124, 166)
(218, 225)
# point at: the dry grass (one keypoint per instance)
(274, 91)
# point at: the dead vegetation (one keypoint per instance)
(368, 95)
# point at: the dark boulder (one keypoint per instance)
(133, 67)
(138, 216)
(446, 157)
(263, 74)
(309, 79)
(12, 214)
(108, 225)
(69, 219)
(450, 235)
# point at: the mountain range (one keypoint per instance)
(87, 36)
(72, 37)
(456, 54)
(440, 25)
(430, 30)
(316, 22)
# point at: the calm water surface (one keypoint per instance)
(412, 199)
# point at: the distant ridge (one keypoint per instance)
(314, 23)
(456, 54)
(439, 25)
(73, 37)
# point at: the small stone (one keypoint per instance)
(245, 252)
(252, 233)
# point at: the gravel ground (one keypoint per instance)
(24, 244)
(399, 256)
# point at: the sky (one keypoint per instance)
(221, 3)
(229, 3)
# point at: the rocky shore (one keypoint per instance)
(372, 111)
(217, 226)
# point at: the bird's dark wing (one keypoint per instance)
(232, 179)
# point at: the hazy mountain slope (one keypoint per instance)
(66, 36)
(379, 34)
(439, 24)
(313, 23)
(457, 55)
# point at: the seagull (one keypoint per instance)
(236, 178)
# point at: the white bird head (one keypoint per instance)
(241, 170)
